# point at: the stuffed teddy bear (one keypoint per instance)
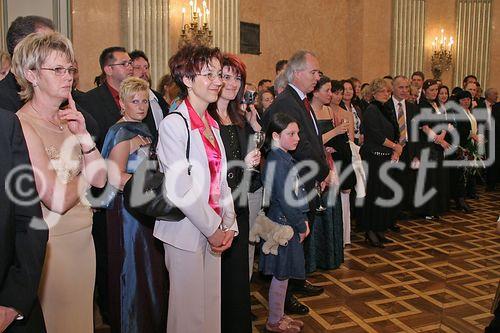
(273, 233)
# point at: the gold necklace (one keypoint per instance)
(60, 126)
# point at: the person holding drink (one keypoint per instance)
(236, 133)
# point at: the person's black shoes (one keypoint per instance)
(293, 306)
(395, 228)
(461, 205)
(372, 239)
(306, 289)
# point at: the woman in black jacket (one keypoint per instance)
(235, 132)
(434, 127)
(461, 182)
(379, 148)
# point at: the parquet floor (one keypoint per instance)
(435, 277)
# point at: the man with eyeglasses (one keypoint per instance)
(103, 104)
(158, 107)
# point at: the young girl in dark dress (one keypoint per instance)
(288, 206)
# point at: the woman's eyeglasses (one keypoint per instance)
(60, 71)
(211, 75)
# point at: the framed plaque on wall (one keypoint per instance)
(249, 38)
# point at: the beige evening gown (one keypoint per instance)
(67, 284)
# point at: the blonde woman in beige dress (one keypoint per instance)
(66, 163)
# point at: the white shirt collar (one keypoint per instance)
(301, 94)
(395, 101)
(152, 96)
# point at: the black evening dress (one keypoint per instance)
(235, 284)
(436, 177)
(342, 155)
(375, 216)
(327, 248)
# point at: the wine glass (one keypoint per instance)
(258, 139)
(320, 209)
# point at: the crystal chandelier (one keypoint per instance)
(197, 30)
(442, 48)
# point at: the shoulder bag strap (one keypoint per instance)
(188, 139)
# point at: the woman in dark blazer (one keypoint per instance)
(235, 131)
(465, 125)
(379, 148)
(433, 141)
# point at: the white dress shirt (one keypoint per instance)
(155, 108)
(302, 97)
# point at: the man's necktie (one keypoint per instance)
(401, 124)
(310, 110)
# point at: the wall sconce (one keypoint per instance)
(442, 49)
(197, 31)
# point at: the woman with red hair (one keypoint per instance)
(236, 127)
(197, 185)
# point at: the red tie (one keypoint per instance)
(308, 105)
(311, 114)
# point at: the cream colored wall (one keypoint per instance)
(349, 37)
(174, 15)
(494, 79)
(436, 19)
(96, 25)
(282, 34)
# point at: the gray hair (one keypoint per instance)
(280, 82)
(377, 85)
(489, 91)
(296, 63)
(399, 77)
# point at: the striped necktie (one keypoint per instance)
(401, 124)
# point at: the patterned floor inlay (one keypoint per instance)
(436, 277)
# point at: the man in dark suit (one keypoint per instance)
(158, 107)
(401, 113)
(19, 28)
(302, 73)
(9, 89)
(102, 102)
(23, 234)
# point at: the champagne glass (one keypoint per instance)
(258, 139)
(320, 209)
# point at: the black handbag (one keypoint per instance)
(143, 193)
